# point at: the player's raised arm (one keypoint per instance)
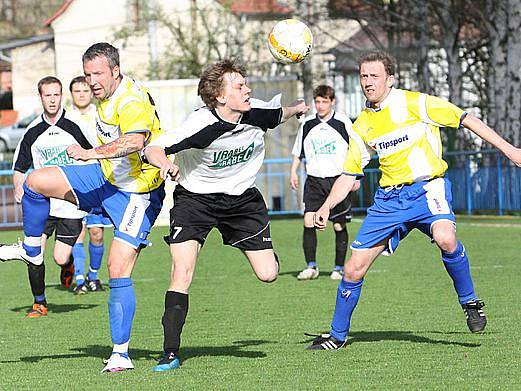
(341, 188)
(297, 108)
(488, 134)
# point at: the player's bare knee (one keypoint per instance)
(339, 226)
(268, 275)
(446, 241)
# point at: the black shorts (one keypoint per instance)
(67, 230)
(242, 219)
(316, 191)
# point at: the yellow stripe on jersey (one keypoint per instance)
(128, 110)
(405, 134)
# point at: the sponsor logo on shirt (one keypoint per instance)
(391, 143)
(55, 156)
(324, 147)
(101, 131)
(232, 157)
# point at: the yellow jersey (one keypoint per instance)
(129, 110)
(404, 132)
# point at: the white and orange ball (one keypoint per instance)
(290, 41)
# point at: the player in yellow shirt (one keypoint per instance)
(403, 128)
(129, 191)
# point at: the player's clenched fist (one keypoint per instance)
(77, 152)
(320, 217)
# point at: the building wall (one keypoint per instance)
(29, 64)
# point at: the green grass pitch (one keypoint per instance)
(408, 331)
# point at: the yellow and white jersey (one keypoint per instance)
(89, 118)
(404, 132)
(129, 110)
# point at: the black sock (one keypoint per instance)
(176, 309)
(309, 243)
(341, 239)
(37, 281)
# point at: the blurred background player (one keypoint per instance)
(44, 144)
(323, 141)
(402, 127)
(220, 149)
(94, 222)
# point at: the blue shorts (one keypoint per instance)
(95, 219)
(398, 210)
(132, 214)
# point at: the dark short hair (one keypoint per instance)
(379, 56)
(211, 83)
(324, 91)
(48, 80)
(77, 79)
(102, 49)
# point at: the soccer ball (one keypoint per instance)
(290, 41)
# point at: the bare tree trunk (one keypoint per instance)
(306, 75)
(504, 18)
(423, 38)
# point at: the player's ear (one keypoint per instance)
(390, 81)
(115, 72)
(221, 99)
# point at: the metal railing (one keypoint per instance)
(483, 181)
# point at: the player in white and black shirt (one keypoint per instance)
(219, 150)
(44, 144)
(323, 141)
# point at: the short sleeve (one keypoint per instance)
(297, 146)
(439, 112)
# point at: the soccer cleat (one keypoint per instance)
(38, 311)
(336, 274)
(325, 342)
(117, 363)
(80, 289)
(309, 273)
(94, 286)
(67, 275)
(167, 362)
(16, 252)
(476, 318)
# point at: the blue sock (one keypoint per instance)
(95, 256)
(35, 209)
(346, 300)
(78, 253)
(457, 265)
(122, 305)
(312, 264)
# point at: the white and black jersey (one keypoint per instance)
(324, 144)
(45, 144)
(216, 156)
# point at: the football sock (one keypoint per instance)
(122, 306)
(95, 256)
(346, 299)
(37, 282)
(176, 309)
(309, 243)
(457, 265)
(35, 209)
(341, 239)
(78, 254)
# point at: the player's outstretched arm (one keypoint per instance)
(341, 188)
(123, 146)
(293, 175)
(297, 108)
(156, 156)
(488, 134)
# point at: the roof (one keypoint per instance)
(256, 7)
(27, 41)
(58, 13)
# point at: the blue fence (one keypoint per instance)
(484, 182)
